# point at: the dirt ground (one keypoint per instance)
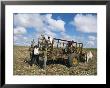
(21, 54)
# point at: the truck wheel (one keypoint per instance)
(73, 59)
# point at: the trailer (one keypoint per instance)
(70, 52)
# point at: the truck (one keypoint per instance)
(69, 52)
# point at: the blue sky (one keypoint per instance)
(71, 26)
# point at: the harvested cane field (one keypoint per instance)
(21, 55)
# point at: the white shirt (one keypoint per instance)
(51, 39)
(36, 51)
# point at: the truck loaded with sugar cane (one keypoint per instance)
(69, 52)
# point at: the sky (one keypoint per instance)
(79, 27)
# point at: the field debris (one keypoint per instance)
(20, 67)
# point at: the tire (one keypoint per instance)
(73, 59)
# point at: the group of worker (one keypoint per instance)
(38, 54)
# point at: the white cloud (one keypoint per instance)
(41, 23)
(55, 24)
(66, 36)
(21, 40)
(92, 38)
(90, 43)
(21, 20)
(50, 33)
(87, 42)
(25, 38)
(29, 20)
(19, 30)
(15, 38)
(71, 37)
(46, 24)
(85, 23)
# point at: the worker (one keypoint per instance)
(48, 40)
(45, 59)
(35, 56)
(31, 50)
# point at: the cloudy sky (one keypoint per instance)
(71, 26)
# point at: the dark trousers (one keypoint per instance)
(66, 62)
(41, 63)
(35, 59)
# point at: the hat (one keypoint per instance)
(36, 46)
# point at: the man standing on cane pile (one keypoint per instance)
(43, 52)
